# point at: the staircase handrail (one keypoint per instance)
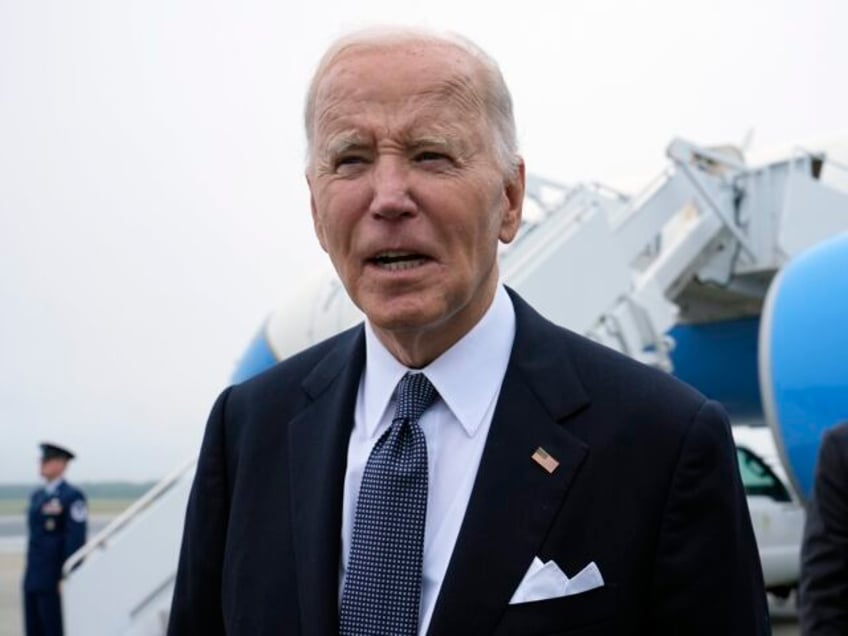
(101, 539)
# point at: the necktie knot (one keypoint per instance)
(414, 394)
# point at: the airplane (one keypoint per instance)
(727, 274)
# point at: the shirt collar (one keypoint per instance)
(52, 486)
(482, 354)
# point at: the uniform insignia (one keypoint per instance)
(50, 524)
(52, 507)
(79, 512)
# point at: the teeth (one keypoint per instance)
(399, 265)
(395, 261)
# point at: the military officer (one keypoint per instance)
(57, 526)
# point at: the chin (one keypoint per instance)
(385, 306)
(401, 320)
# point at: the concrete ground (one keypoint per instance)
(784, 617)
(11, 569)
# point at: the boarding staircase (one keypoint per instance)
(700, 243)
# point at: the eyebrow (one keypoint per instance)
(345, 142)
(430, 141)
(353, 140)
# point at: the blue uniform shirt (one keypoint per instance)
(57, 527)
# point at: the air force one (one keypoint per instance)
(734, 277)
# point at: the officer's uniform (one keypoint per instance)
(57, 528)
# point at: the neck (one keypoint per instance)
(415, 348)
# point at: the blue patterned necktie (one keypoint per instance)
(382, 586)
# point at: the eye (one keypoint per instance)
(435, 160)
(349, 160)
(349, 164)
(431, 155)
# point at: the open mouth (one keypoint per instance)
(395, 261)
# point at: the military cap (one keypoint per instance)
(52, 451)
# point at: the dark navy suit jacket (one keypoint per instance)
(57, 528)
(824, 555)
(647, 488)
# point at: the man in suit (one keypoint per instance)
(824, 553)
(565, 488)
(57, 521)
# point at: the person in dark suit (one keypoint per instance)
(57, 519)
(566, 488)
(823, 598)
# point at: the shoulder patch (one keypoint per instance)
(79, 512)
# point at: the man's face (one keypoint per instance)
(53, 468)
(408, 199)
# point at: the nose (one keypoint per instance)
(391, 197)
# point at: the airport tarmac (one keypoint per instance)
(11, 568)
(784, 621)
(12, 550)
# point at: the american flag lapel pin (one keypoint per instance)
(544, 460)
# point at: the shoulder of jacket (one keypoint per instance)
(72, 492)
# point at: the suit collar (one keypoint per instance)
(542, 356)
(348, 351)
(514, 500)
(318, 438)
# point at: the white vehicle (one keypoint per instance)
(777, 513)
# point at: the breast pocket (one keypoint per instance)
(590, 613)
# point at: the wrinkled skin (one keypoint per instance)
(408, 198)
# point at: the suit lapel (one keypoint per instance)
(318, 441)
(514, 499)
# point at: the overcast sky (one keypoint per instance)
(152, 203)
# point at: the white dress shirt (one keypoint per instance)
(52, 486)
(468, 378)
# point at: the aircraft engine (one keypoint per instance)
(803, 355)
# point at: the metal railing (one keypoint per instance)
(101, 540)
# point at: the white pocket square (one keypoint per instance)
(545, 581)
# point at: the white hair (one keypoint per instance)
(496, 96)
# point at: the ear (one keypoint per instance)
(514, 200)
(317, 225)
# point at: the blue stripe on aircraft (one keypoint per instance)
(257, 357)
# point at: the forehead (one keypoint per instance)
(386, 79)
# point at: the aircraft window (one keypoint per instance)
(758, 478)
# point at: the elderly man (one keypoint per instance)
(457, 464)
